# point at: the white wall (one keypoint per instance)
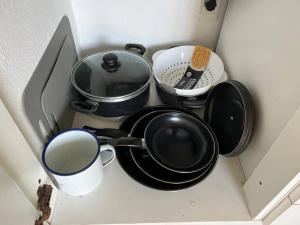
(156, 23)
(15, 209)
(26, 29)
(289, 217)
(260, 45)
(17, 158)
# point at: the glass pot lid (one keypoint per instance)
(111, 74)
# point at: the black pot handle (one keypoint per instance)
(85, 107)
(194, 103)
(137, 48)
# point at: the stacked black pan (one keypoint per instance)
(172, 148)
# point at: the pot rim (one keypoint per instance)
(191, 169)
(197, 174)
(114, 99)
(111, 99)
(45, 149)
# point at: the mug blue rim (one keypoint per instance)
(58, 134)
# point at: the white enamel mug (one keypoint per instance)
(73, 158)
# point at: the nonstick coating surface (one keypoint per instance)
(129, 166)
(230, 113)
(179, 142)
(151, 167)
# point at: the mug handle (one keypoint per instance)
(110, 148)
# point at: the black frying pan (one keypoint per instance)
(145, 162)
(176, 141)
(125, 159)
(230, 113)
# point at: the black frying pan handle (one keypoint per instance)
(120, 138)
(194, 103)
(84, 107)
(137, 48)
(107, 132)
(125, 141)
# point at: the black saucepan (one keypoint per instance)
(176, 141)
(195, 102)
(112, 83)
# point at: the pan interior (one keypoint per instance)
(179, 141)
(130, 167)
(226, 116)
(151, 167)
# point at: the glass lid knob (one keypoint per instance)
(110, 62)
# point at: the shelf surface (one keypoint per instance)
(121, 200)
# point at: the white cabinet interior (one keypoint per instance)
(259, 43)
(15, 208)
(17, 158)
(295, 196)
(249, 58)
(289, 217)
(120, 199)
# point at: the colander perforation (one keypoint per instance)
(170, 66)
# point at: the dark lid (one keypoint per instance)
(111, 74)
(230, 113)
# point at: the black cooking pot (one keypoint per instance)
(112, 83)
(195, 102)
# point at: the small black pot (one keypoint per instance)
(185, 102)
(112, 83)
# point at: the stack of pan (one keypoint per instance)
(179, 148)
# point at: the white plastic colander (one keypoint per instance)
(169, 67)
